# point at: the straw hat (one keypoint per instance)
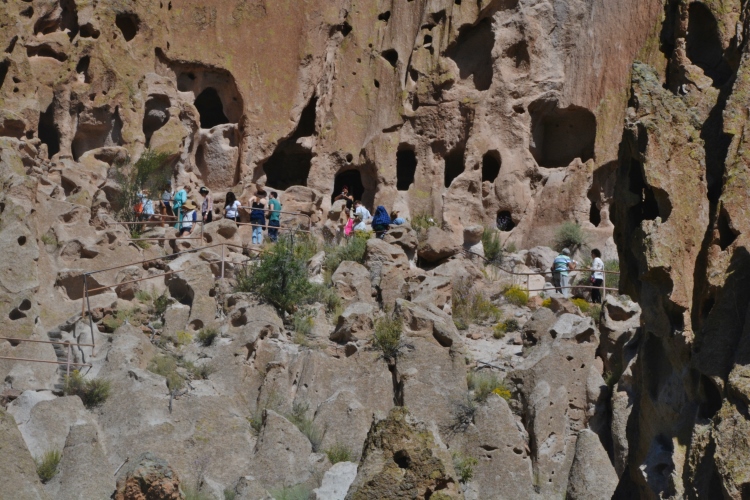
(190, 205)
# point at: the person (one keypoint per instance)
(344, 195)
(179, 199)
(359, 224)
(597, 276)
(359, 209)
(396, 220)
(274, 219)
(381, 221)
(189, 218)
(166, 200)
(232, 207)
(349, 227)
(258, 215)
(207, 207)
(561, 266)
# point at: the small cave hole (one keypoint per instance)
(595, 216)
(457, 2)
(4, 65)
(156, 115)
(351, 179)
(288, 166)
(518, 108)
(210, 108)
(15, 314)
(47, 131)
(703, 44)
(559, 136)
(472, 53)
(349, 158)
(490, 166)
(345, 28)
(391, 56)
(82, 68)
(127, 23)
(88, 31)
(454, 165)
(27, 12)
(726, 234)
(427, 40)
(45, 51)
(504, 221)
(406, 167)
(21, 240)
(377, 84)
(402, 459)
(25, 305)
(518, 53)
(385, 16)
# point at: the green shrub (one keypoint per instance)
(422, 222)
(166, 366)
(149, 173)
(463, 414)
(46, 466)
(160, 304)
(570, 235)
(509, 325)
(327, 296)
(485, 383)
(200, 372)
(206, 336)
(493, 250)
(464, 466)
(280, 276)
(547, 302)
(143, 296)
(498, 331)
(387, 337)
(352, 250)
(595, 312)
(339, 453)
(298, 492)
(470, 306)
(303, 322)
(582, 304)
(305, 246)
(516, 295)
(306, 426)
(612, 280)
(93, 391)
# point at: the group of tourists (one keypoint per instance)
(359, 219)
(176, 207)
(564, 264)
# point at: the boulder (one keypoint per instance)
(592, 476)
(352, 283)
(85, 471)
(346, 421)
(537, 328)
(574, 327)
(541, 258)
(148, 477)
(356, 323)
(282, 453)
(222, 231)
(336, 482)
(438, 245)
(402, 460)
(389, 269)
(301, 199)
(17, 467)
(403, 236)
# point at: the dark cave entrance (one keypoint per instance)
(406, 168)
(454, 165)
(703, 44)
(472, 53)
(47, 131)
(491, 162)
(504, 221)
(559, 136)
(128, 24)
(353, 180)
(210, 108)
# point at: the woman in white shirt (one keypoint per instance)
(597, 276)
(232, 207)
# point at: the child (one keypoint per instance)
(189, 218)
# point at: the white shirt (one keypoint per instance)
(361, 226)
(361, 210)
(597, 266)
(187, 220)
(231, 211)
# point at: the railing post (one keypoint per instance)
(527, 284)
(91, 317)
(222, 260)
(68, 358)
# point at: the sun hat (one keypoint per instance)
(190, 205)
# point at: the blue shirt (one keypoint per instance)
(561, 263)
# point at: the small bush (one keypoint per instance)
(509, 325)
(143, 296)
(612, 280)
(160, 304)
(93, 391)
(305, 246)
(464, 466)
(207, 336)
(306, 426)
(49, 239)
(182, 338)
(422, 222)
(326, 296)
(463, 414)
(352, 250)
(493, 250)
(271, 402)
(303, 322)
(516, 295)
(470, 306)
(298, 492)
(498, 331)
(166, 366)
(582, 304)
(46, 466)
(570, 235)
(611, 378)
(339, 453)
(485, 383)
(200, 372)
(387, 337)
(511, 247)
(547, 302)
(595, 312)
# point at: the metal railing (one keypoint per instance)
(296, 214)
(68, 349)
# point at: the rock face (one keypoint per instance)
(16, 464)
(148, 477)
(591, 475)
(401, 460)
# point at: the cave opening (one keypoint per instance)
(391, 56)
(127, 23)
(648, 208)
(48, 132)
(156, 115)
(306, 125)
(454, 165)
(64, 19)
(595, 216)
(504, 221)
(82, 68)
(351, 179)
(491, 162)
(210, 108)
(406, 167)
(4, 65)
(726, 234)
(560, 135)
(703, 44)
(288, 166)
(472, 53)
(518, 53)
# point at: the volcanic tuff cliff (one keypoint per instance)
(627, 117)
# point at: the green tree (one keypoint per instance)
(149, 173)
